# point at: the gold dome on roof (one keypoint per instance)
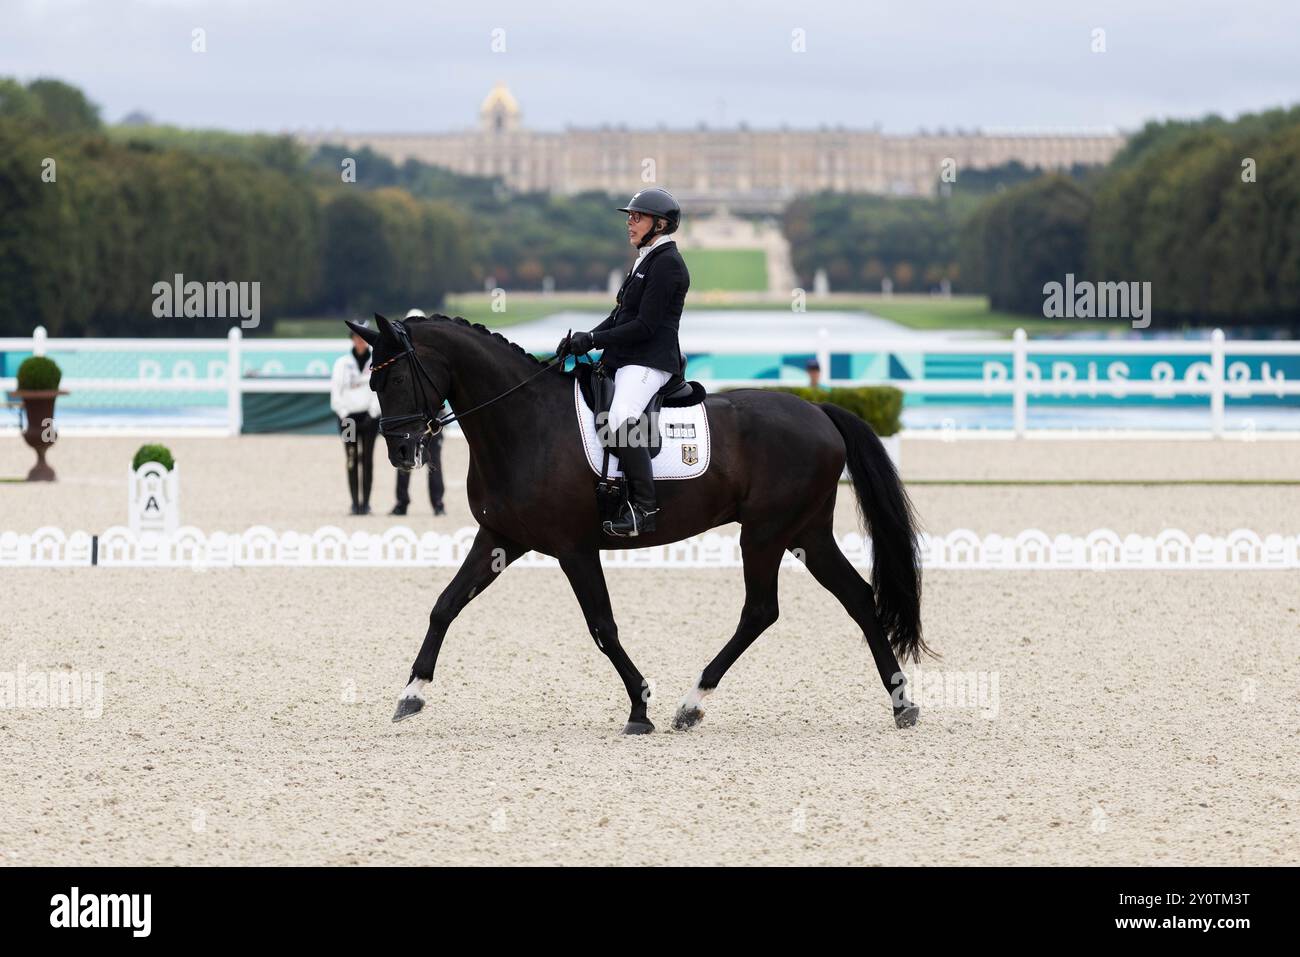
(500, 99)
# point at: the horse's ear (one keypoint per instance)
(385, 328)
(370, 335)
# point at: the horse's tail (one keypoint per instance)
(888, 514)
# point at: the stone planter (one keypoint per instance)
(38, 410)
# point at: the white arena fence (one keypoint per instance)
(1216, 369)
(400, 547)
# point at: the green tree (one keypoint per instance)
(17, 102)
(1032, 235)
(64, 107)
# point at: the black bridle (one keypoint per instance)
(399, 426)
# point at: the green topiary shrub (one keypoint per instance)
(39, 374)
(881, 406)
(154, 453)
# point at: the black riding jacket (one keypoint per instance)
(642, 329)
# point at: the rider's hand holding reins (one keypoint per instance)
(580, 343)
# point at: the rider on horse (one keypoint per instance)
(639, 343)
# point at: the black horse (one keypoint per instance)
(775, 468)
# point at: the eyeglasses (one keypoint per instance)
(635, 218)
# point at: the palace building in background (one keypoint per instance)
(743, 169)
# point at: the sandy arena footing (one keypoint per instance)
(1120, 717)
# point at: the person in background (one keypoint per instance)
(357, 409)
(434, 468)
(814, 370)
(435, 482)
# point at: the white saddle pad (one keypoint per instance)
(684, 433)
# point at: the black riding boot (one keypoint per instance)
(639, 518)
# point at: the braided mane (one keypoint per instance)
(480, 328)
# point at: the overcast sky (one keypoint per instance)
(416, 65)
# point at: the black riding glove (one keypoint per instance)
(580, 343)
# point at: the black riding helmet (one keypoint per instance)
(658, 202)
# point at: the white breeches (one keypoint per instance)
(633, 388)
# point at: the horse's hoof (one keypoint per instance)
(687, 718)
(638, 727)
(407, 708)
(907, 716)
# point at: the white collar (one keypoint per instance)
(646, 250)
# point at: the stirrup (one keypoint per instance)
(638, 518)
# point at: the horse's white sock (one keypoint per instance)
(695, 697)
(415, 689)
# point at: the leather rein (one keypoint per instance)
(397, 426)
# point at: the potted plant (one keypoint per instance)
(153, 453)
(38, 387)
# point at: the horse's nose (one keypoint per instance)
(400, 455)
